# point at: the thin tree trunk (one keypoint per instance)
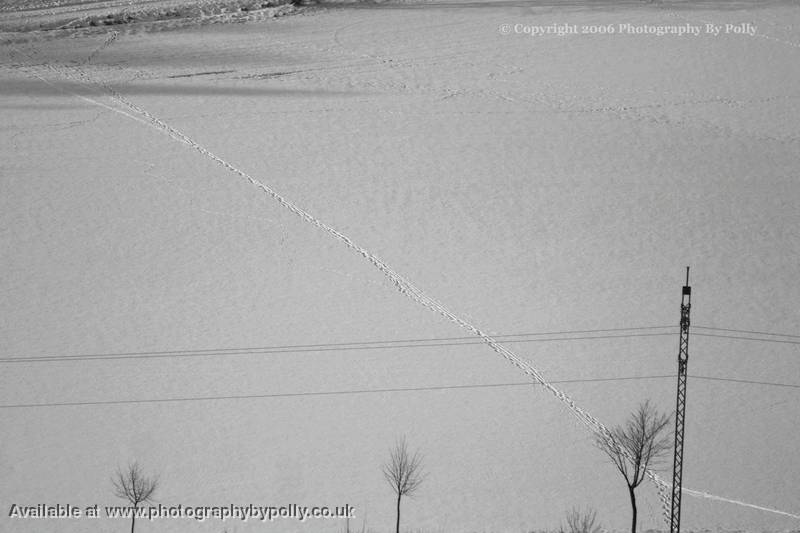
(133, 519)
(397, 525)
(633, 507)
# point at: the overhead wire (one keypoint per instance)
(378, 391)
(299, 348)
(321, 393)
(738, 337)
(370, 345)
(792, 335)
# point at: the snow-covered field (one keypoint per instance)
(72, 17)
(529, 183)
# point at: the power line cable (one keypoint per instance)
(541, 333)
(377, 391)
(369, 345)
(748, 381)
(737, 337)
(749, 331)
(322, 393)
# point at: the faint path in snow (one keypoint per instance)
(759, 35)
(109, 40)
(373, 70)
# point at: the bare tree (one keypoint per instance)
(403, 472)
(579, 521)
(636, 446)
(131, 484)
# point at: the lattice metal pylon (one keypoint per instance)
(680, 407)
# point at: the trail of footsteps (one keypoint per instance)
(793, 138)
(560, 104)
(401, 284)
(701, 494)
(569, 104)
(83, 97)
(367, 63)
(638, 113)
(110, 39)
(758, 35)
(771, 21)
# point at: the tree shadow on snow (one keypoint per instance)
(66, 88)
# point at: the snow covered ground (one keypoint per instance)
(530, 183)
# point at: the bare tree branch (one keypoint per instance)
(403, 472)
(640, 444)
(579, 521)
(131, 484)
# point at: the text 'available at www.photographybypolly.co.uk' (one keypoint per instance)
(262, 513)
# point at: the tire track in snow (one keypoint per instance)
(400, 283)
